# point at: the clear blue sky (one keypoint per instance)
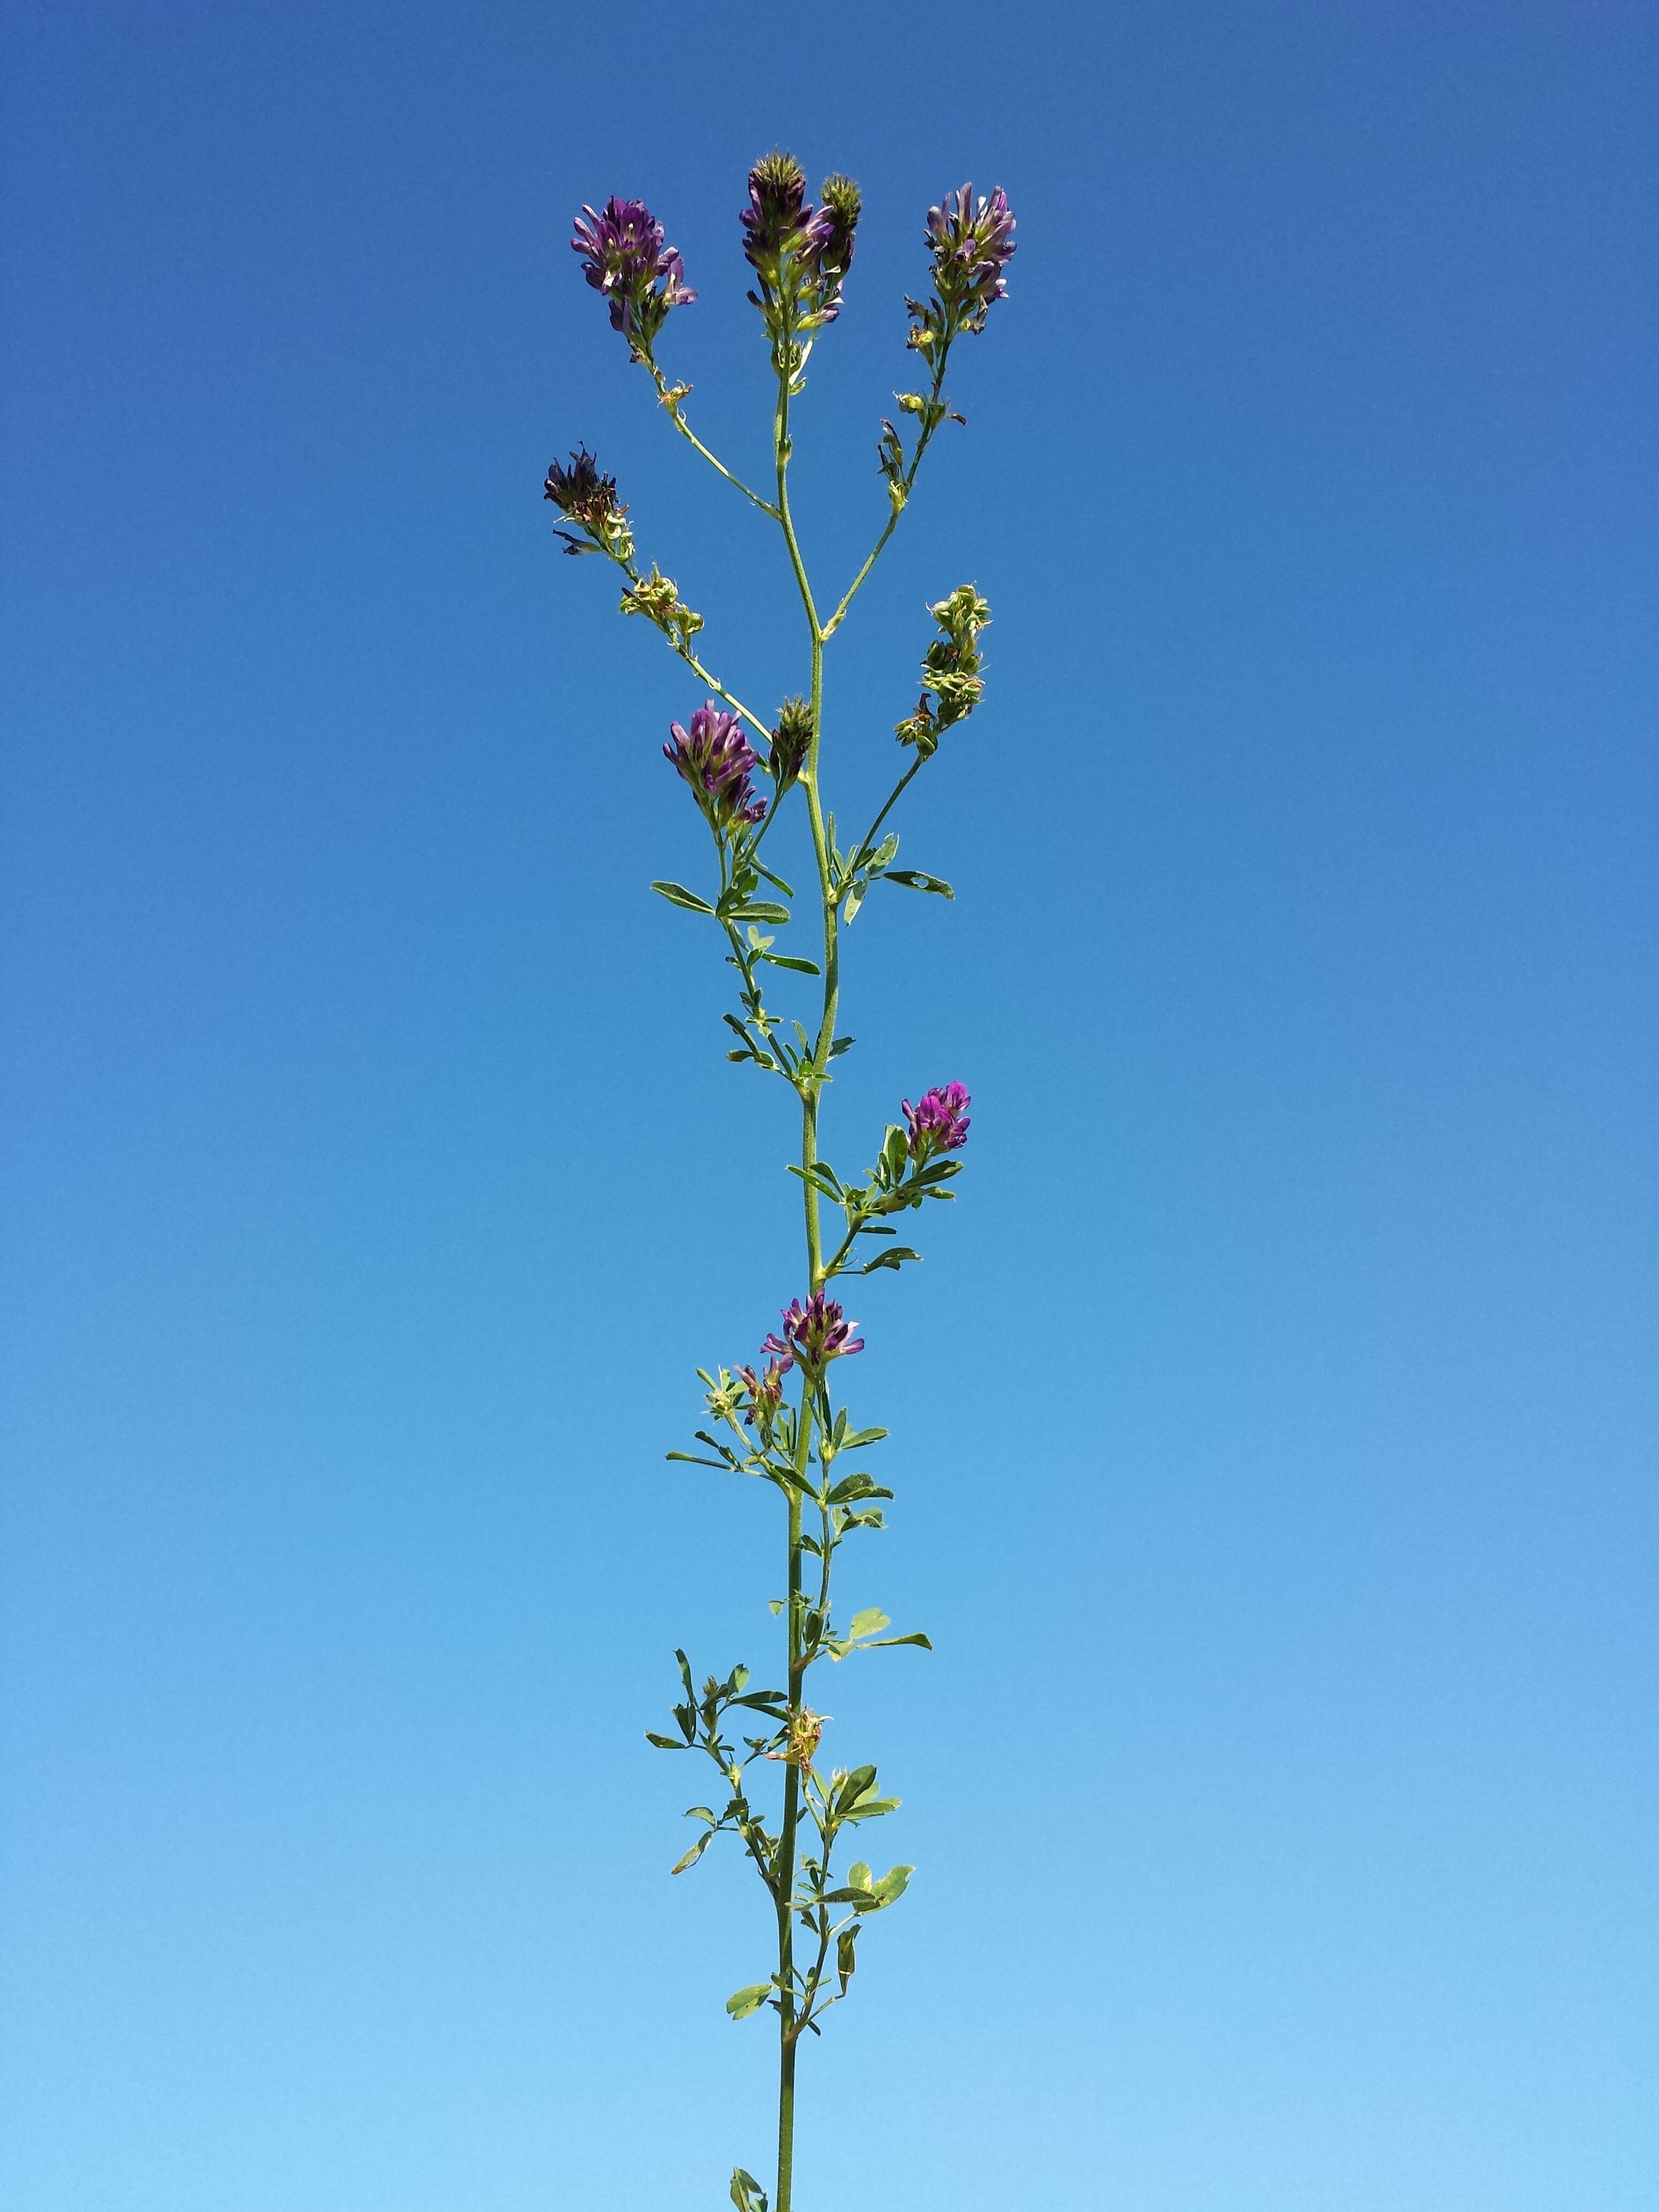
(1274, 1418)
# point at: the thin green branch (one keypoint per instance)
(672, 395)
(930, 421)
(867, 844)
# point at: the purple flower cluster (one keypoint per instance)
(814, 1333)
(800, 253)
(938, 1120)
(971, 245)
(627, 260)
(717, 761)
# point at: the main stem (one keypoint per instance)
(813, 1077)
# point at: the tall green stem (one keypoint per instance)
(788, 2033)
(812, 1078)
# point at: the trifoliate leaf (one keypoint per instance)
(743, 2001)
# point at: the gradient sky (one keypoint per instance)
(1273, 1418)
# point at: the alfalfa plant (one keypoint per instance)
(779, 1421)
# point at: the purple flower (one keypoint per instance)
(800, 253)
(938, 1120)
(814, 1333)
(640, 277)
(717, 761)
(971, 243)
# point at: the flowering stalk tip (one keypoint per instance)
(970, 245)
(627, 261)
(800, 254)
(938, 1120)
(716, 759)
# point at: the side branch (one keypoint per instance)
(672, 395)
(933, 415)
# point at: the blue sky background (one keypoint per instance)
(1273, 1419)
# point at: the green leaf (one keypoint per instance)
(892, 1886)
(891, 1642)
(872, 1809)
(743, 2001)
(860, 1896)
(789, 890)
(856, 1486)
(861, 1779)
(868, 1622)
(760, 911)
(915, 879)
(694, 1854)
(677, 895)
(789, 960)
(860, 1438)
(895, 1257)
(746, 2192)
(663, 1742)
(821, 1177)
(839, 1045)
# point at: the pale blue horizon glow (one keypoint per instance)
(1273, 1416)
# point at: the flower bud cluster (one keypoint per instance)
(589, 499)
(800, 254)
(971, 244)
(764, 1392)
(791, 741)
(627, 261)
(953, 685)
(717, 761)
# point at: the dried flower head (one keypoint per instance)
(717, 761)
(589, 499)
(802, 1732)
(627, 260)
(938, 1120)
